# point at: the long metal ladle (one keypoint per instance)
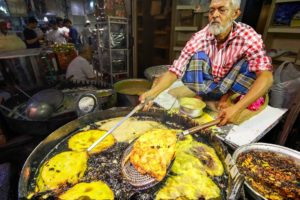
(136, 108)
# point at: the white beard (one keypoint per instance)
(217, 29)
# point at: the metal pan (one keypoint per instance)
(267, 148)
(229, 184)
(53, 97)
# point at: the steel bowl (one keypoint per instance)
(192, 107)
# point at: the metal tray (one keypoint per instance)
(264, 147)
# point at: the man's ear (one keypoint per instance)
(236, 14)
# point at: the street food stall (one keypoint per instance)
(104, 165)
(201, 165)
(94, 138)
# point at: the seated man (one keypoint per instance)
(223, 58)
(80, 68)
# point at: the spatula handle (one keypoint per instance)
(136, 108)
(201, 127)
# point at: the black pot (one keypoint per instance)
(17, 126)
(128, 91)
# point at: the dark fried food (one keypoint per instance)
(273, 175)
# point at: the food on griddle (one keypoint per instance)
(130, 129)
(209, 159)
(97, 190)
(105, 166)
(189, 151)
(190, 179)
(62, 169)
(193, 185)
(83, 140)
(273, 175)
(153, 151)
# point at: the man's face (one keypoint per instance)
(221, 16)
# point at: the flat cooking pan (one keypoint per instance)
(229, 183)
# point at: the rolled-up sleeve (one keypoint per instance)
(256, 54)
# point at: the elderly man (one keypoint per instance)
(80, 68)
(223, 58)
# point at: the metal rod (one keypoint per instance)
(138, 107)
(27, 95)
(9, 110)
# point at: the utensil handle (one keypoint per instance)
(136, 108)
(201, 126)
(9, 110)
(22, 91)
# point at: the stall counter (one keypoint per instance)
(247, 132)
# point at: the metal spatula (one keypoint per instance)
(136, 108)
(145, 181)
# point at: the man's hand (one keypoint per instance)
(160, 84)
(146, 96)
(227, 115)
(223, 101)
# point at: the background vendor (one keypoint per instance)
(32, 39)
(80, 68)
(224, 57)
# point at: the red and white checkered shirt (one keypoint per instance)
(242, 43)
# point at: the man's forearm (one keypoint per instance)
(163, 82)
(260, 87)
